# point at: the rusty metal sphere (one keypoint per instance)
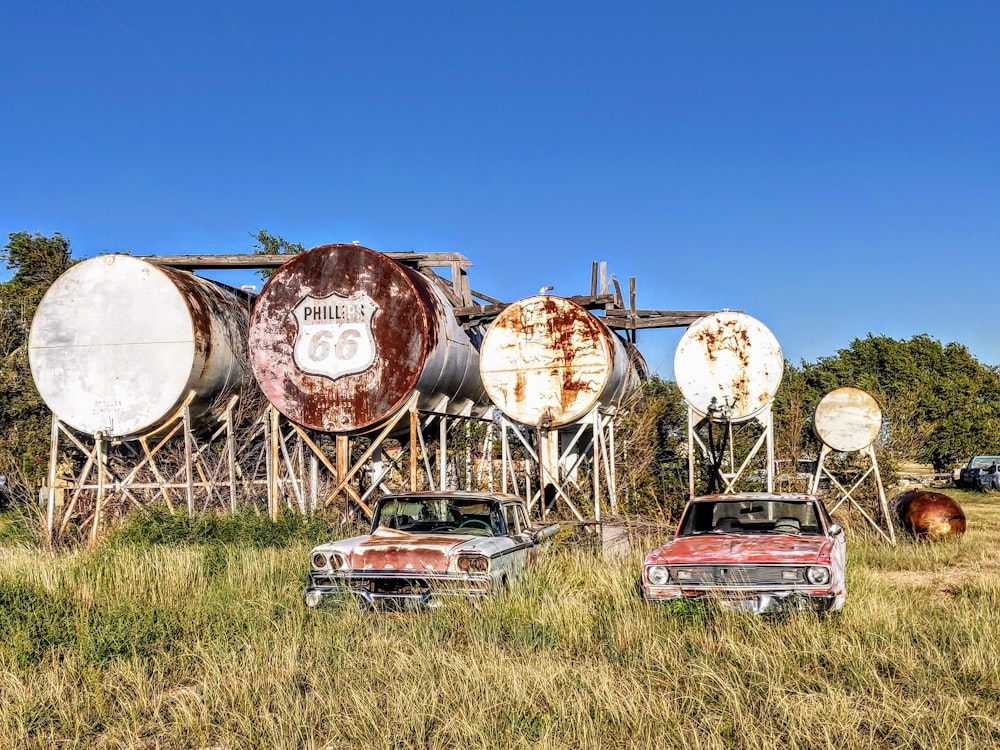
(929, 515)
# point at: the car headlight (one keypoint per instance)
(817, 574)
(657, 575)
(334, 560)
(473, 564)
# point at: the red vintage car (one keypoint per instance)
(760, 552)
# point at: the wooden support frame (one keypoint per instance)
(730, 478)
(114, 478)
(846, 495)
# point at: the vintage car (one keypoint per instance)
(760, 552)
(426, 545)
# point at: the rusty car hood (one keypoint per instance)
(390, 549)
(741, 549)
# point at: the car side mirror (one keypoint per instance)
(836, 529)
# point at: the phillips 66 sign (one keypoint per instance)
(335, 336)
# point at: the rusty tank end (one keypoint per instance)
(117, 344)
(929, 515)
(847, 419)
(341, 337)
(731, 361)
(546, 360)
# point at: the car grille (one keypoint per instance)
(737, 575)
(396, 585)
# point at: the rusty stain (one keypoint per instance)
(401, 551)
(929, 515)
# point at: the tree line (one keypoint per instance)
(939, 402)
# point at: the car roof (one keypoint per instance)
(500, 497)
(786, 497)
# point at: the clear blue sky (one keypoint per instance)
(833, 169)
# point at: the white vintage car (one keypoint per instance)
(426, 545)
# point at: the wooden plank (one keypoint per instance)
(207, 261)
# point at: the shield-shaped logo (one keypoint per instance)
(335, 336)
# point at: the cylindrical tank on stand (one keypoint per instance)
(847, 419)
(342, 336)
(728, 366)
(547, 361)
(117, 344)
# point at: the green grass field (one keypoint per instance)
(148, 643)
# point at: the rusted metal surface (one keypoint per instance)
(547, 361)
(117, 344)
(847, 419)
(387, 548)
(929, 515)
(728, 366)
(341, 336)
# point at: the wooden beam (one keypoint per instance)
(205, 261)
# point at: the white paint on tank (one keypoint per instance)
(114, 346)
(847, 419)
(730, 361)
(546, 360)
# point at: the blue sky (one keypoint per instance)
(833, 169)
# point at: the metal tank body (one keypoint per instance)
(117, 344)
(929, 515)
(547, 361)
(342, 336)
(847, 419)
(731, 362)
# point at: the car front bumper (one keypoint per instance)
(403, 587)
(759, 602)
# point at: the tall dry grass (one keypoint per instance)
(189, 645)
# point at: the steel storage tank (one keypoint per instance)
(117, 344)
(547, 361)
(847, 419)
(728, 362)
(342, 336)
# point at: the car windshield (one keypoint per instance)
(984, 462)
(449, 515)
(751, 517)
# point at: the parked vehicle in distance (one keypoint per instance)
(426, 545)
(970, 475)
(759, 552)
(989, 478)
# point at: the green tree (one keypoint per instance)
(266, 243)
(938, 402)
(652, 451)
(37, 261)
